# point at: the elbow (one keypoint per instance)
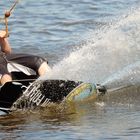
(6, 50)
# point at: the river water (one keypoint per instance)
(88, 40)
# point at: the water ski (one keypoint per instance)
(25, 93)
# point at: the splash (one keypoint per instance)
(107, 51)
(128, 76)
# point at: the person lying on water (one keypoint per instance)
(38, 64)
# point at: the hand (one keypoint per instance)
(2, 34)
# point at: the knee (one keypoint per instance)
(5, 78)
(44, 68)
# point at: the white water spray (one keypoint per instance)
(108, 51)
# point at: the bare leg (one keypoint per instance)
(43, 69)
(5, 78)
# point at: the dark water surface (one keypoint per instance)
(89, 40)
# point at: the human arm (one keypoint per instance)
(5, 46)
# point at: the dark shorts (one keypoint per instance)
(30, 61)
